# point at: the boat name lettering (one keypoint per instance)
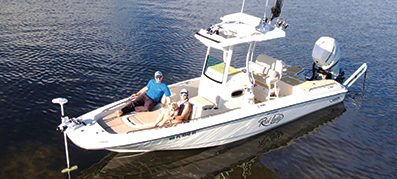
(269, 120)
(183, 135)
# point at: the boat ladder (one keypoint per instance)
(356, 75)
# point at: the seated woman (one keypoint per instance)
(184, 109)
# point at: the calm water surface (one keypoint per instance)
(95, 52)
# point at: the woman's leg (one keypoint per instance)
(160, 117)
(165, 118)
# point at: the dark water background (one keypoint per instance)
(98, 51)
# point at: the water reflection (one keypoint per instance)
(235, 160)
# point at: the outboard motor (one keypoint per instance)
(326, 56)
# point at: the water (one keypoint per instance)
(97, 52)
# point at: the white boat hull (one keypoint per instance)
(212, 131)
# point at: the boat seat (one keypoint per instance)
(267, 71)
(274, 77)
(259, 68)
(263, 65)
(202, 102)
(199, 104)
(266, 60)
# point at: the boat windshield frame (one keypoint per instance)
(214, 69)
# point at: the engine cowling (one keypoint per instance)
(326, 56)
(326, 52)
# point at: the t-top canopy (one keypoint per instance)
(237, 28)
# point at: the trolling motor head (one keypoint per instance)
(61, 102)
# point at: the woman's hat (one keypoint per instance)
(184, 91)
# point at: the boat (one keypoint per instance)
(228, 103)
(224, 160)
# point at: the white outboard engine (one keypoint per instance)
(326, 56)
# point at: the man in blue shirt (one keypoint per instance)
(148, 96)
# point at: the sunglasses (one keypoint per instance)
(183, 94)
(157, 77)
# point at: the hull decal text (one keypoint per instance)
(182, 135)
(270, 119)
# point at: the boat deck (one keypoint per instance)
(145, 120)
(129, 122)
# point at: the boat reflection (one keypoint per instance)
(234, 160)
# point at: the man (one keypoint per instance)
(148, 96)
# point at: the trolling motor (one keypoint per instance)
(326, 57)
(62, 127)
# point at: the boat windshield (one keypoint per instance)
(214, 69)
